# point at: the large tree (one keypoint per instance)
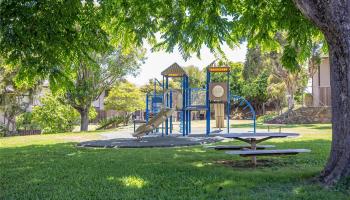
(90, 78)
(190, 24)
(333, 19)
(38, 35)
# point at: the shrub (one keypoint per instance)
(2, 130)
(25, 121)
(266, 117)
(53, 116)
(92, 113)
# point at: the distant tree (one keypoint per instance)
(276, 93)
(292, 82)
(255, 90)
(14, 98)
(125, 97)
(148, 88)
(90, 78)
(281, 80)
(196, 76)
(255, 63)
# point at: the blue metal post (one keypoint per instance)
(187, 111)
(189, 104)
(228, 102)
(208, 103)
(154, 87)
(163, 103)
(166, 104)
(147, 109)
(183, 107)
(171, 117)
(254, 120)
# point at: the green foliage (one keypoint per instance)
(149, 87)
(2, 130)
(110, 122)
(256, 62)
(42, 38)
(53, 116)
(124, 96)
(256, 90)
(282, 82)
(25, 121)
(14, 98)
(265, 118)
(67, 30)
(197, 76)
(90, 78)
(189, 25)
(92, 113)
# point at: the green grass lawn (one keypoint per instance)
(51, 167)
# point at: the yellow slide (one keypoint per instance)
(153, 123)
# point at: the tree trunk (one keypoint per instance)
(290, 101)
(263, 108)
(333, 19)
(84, 119)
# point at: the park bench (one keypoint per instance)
(279, 126)
(238, 147)
(275, 152)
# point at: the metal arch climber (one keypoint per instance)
(247, 108)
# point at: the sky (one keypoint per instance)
(156, 62)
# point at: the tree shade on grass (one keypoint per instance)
(38, 37)
(51, 167)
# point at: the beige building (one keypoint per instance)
(321, 87)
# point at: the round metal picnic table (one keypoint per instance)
(254, 138)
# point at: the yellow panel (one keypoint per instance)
(219, 69)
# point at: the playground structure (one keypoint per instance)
(161, 106)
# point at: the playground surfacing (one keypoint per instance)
(122, 138)
(151, 141)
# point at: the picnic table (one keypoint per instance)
(255, 138)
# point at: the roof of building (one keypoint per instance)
(174, 70)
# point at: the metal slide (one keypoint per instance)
(154, 122)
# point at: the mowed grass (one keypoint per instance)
(51, 167)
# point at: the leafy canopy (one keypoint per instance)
(190, 24)
(125, 97)
(42, 37)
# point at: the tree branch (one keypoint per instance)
(314, 10)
